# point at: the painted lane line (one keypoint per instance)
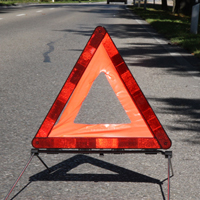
(20, 15)
(174, 54)
(52, 8)
(39, 11)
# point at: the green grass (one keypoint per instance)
(174, 27)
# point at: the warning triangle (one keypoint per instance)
(60, 130)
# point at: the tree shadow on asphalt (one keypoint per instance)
(159, 56)
(92, 7)
(189, 112)
(23, 7)
(61, 172)
(10, 9)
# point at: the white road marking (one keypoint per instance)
(1, 18)
(20, 15)
(52, 8)
(39, 11)
(174, 54)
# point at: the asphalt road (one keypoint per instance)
(39, 45)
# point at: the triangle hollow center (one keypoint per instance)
(101, 106)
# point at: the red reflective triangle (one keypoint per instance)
(58, 130)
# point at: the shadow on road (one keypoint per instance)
(61, 172)
(189, 110)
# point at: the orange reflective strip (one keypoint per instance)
(96, 143)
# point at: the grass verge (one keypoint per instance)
(174, 27)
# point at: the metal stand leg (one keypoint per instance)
(169, 177)
(19, 177)
(43, 163)
(168, 155)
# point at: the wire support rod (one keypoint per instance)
(43, 163)
(169, 167)
(27, 164)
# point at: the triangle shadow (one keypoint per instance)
(59, 172)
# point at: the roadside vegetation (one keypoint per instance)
(175, 27)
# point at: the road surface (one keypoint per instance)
(39, 45)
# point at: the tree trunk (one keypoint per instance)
(184, 6)
(174, 5)
(164, 5)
